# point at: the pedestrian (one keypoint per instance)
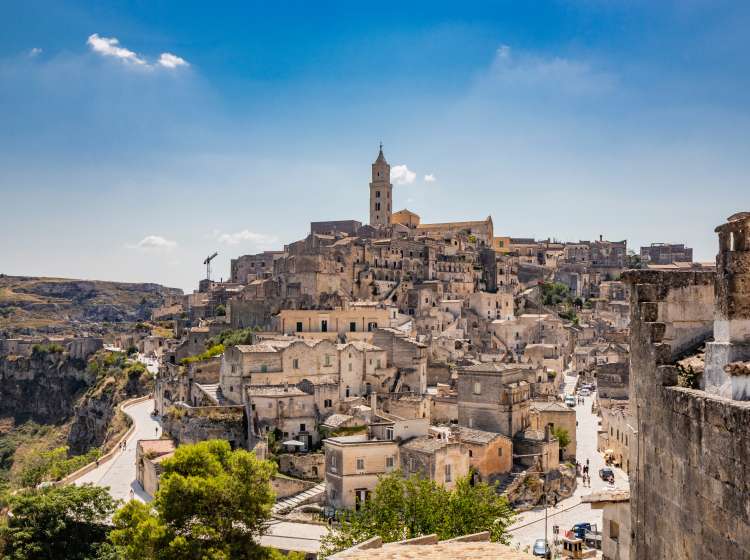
(156, 430)
(97, 462)
(132, 493)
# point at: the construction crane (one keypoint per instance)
(207, 262)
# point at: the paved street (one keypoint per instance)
(529, 525)
(119, 473)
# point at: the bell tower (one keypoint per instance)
(381, 192)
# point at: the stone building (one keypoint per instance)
(490, 453)
(353, 465)
(556, 415)
(666, 253)
(689, 484)
(381, 192)
(495, 397)
(441, 459)
(616, 534)
(149, 454)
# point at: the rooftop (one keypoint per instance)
(428, 548)
(471, 435)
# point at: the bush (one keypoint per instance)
(44, 349)
(216, 350)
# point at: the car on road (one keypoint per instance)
(606, 473)
(570, 401)
(585, 392)
(541, 549)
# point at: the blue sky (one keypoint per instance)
(138, 137)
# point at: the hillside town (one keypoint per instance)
(581, 380)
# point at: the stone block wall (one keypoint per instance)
(690, 468)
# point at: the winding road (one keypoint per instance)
(529, 525)
(119, 473)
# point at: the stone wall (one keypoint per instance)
(690, 483)
(310, 466)
(188, 424)
(283, 486)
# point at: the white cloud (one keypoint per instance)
(36, 51)
(154, 242)
(110, 46)
(512, 71)
(245, 236)
(106, 46)
(169, 60)
(402, 175)
(429, 178)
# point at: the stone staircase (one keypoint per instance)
(213, 392)
(509, 479)
(308, 496)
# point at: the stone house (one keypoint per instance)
(498, 305)
(495, 397)
(615, 507)
(285, 408)
(490, 453)
(149, 454)
(353, 322)
(618, 434)
(353, 465)
(407, 355)
(555, 415)
(437, 458)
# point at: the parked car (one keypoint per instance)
(606, 473)
(585, 392)
(580, 529)
(570, 401)
(541, 549)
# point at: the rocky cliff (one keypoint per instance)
(58, 305)
(81, 397)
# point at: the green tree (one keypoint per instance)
(404, 508)
(221, 310)
(212, 503)
(563, 437)
(57, 522)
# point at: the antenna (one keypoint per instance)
(207, 262)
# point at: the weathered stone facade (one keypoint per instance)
(690, 469)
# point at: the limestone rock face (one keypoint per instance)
(43, 388)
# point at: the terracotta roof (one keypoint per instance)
(445, 550)
(274, 391)
(553, 406)
(159, 446)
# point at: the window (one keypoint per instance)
(499, 451)
(350, 366)
(263, 368)
(470, 454)
(448, 472)
(412, 464)
(231, 389)
(324, 326)
(389, 433)
(327, 360)
(333, 493)
(333, 463)
(299, 326)
(390, 462)
(377, 193)
(327, 403)
(295, 363)
(377, 206)
(302, 427)
(477, 388)
(347, 390)
(270, 405)
(360, 463)
(353, 327)
(614, 530)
